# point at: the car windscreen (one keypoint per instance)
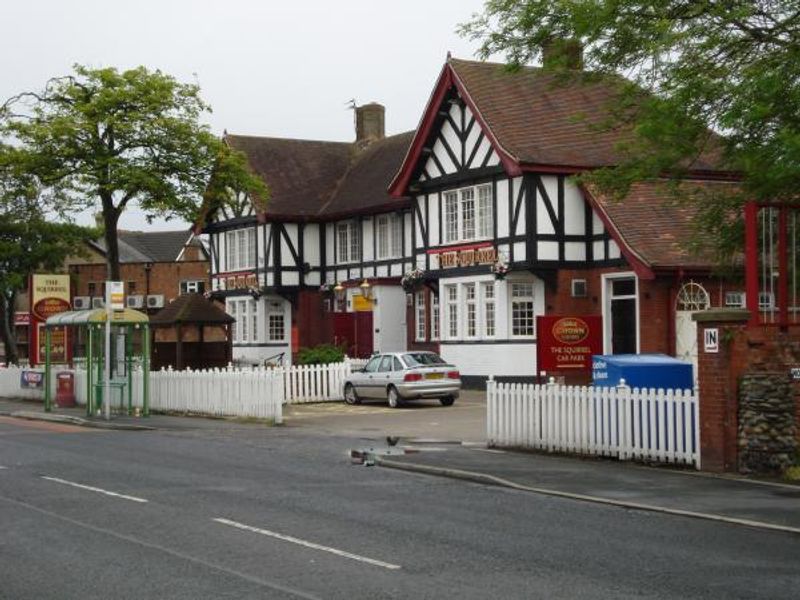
(423, 359)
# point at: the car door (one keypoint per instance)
(364, 382)
(383, 377)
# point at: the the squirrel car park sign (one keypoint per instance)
(50, 295)
(567, 343)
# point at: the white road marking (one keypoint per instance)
(175, 553)
(94, 489)
(2, 467)
(298, 541)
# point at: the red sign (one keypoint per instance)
(568, 343)
(47, 307)
(22, 318)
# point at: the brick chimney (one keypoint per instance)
(370, 123)
(562, 53)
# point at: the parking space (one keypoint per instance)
(464, 421)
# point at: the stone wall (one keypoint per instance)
(767, 439)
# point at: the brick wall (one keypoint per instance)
(164, 278)
(742, 349)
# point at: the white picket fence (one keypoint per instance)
(630, 424)
(318, 383)
(246, 392)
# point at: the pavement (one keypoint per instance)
(737, 501)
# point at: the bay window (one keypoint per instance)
(488, 309)
(434, 316)
(465, 221)
(420, 314)
(240, 249)
(471, 310)
(245, 311)
(451, 310)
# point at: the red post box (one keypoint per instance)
(65, 389)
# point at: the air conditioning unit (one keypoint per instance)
(98, 302)
(155, 301)
(134, 301)
(81, 302)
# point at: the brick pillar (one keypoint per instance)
(718, 376)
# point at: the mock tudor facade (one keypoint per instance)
(478, 210)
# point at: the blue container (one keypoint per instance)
(642, 371)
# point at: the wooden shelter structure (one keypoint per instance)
(192, 332)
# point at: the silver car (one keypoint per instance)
(400, 376)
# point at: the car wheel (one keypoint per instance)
(350, 396)
(393, 397)
(447, 401)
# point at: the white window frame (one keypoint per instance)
(419, 320)
(435, 323)
(489, 306)
(470, 294)
(512, 300)
(468, 214)
(277, 311)
(389, 236)
(191, 286)
(348, 242)
(606, 281)
(451, 311)
(240, 249)
(735, 299)
(246, 312)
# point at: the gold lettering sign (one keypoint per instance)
(468, 258)
(252, 280)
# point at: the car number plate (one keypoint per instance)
(434, 376)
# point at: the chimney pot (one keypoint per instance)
(370, 125)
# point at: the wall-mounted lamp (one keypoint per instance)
(366, 289)
(338, 289)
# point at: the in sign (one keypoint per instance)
(711, 340)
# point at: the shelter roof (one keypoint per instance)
(191, 308)
(96, 315)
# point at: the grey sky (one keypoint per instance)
(272, 68)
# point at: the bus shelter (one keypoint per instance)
(126, 325)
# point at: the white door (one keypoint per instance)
(692, 298)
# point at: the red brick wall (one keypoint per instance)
(742, 350)
(164, 278)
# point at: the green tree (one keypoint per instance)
(100, 136)
(727, 66)
(29, 242)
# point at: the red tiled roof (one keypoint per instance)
(657, 227)
(365, 185)
(301, 174)
(543, 118)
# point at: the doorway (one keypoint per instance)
(621, 314)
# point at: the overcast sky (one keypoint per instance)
(270, 67)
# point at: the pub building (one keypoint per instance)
(464, 236)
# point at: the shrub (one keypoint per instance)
(320, 355)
